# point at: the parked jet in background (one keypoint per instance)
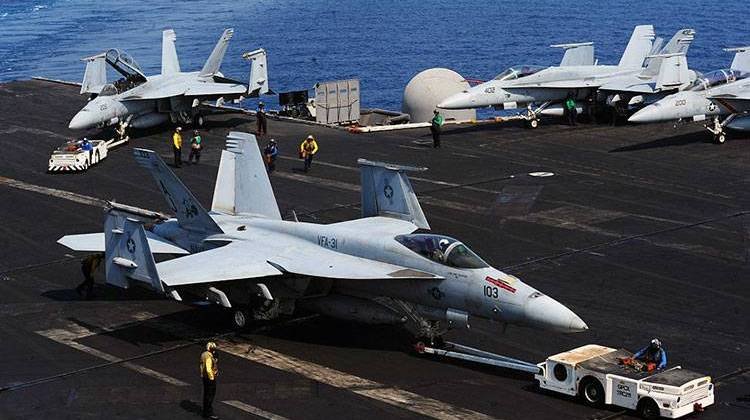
(719, 93)
(665, 72)
(142, 101)
(553, 84)
(374, 269)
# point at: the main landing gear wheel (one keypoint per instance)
(199, 121)
(648, 409)
(239, 318)
(592, 393)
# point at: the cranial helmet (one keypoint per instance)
(210, 345)
(443, 244)
(655, 343)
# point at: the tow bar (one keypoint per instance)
(461, 352)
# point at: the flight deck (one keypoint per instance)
(643, 231)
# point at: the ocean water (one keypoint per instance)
(383, 43)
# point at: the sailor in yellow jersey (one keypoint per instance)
(209, 371)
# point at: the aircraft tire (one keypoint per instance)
(591, 392)
(720, 138)
(532, 123)
(199, 121)
(240, 318)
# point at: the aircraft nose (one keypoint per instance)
(544, 312)
(651, 113)
(461, 100)
(82, 120)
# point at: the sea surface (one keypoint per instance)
(383, 43)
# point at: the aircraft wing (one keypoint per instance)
(94, 242)
(215, 89)
(231, 262)
(561, 84)
(191, 89)
(273, 256)
(638, 88)
(379, 225)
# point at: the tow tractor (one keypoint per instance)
(70, 157)
(602, 375)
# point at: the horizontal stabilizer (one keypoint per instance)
(580, 54)
(94, 242)
(242, 185)
(211, 89)
(386, 191)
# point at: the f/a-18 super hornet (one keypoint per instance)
(375, 269)
(664, 73)
(576, 79)
(720, 93)
(141, 101)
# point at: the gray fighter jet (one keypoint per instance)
(141, 101)
(665, 73)
(720, 93)
(376, 269)
(522, 86)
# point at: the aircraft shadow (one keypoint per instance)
(673, 141)
(102, 293)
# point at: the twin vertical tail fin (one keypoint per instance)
(741, 61)
(189, 212)
(242, 184)
(258, 84)
(638, 47)
(387, 191)
(658, 62)
(169, 62)
(217, 55)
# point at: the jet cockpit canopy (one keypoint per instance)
(124, 63)
(716, 78)
(442, 249)
(517, 72)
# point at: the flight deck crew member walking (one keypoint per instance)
(261, 120)
(196, 145)
(177, 147)
(307, 150)
(271, 152)
(436, 127)
(88, 267)
(570, 106)
(209, 371)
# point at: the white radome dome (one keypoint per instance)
(425, 90)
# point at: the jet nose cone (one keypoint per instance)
(545, 312)
(648, 114)
(80, 121)
(458, 101)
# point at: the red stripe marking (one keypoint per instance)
(501, 284)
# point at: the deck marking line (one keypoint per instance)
(254, 410)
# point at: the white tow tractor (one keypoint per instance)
(71, 156)
(603, 375)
